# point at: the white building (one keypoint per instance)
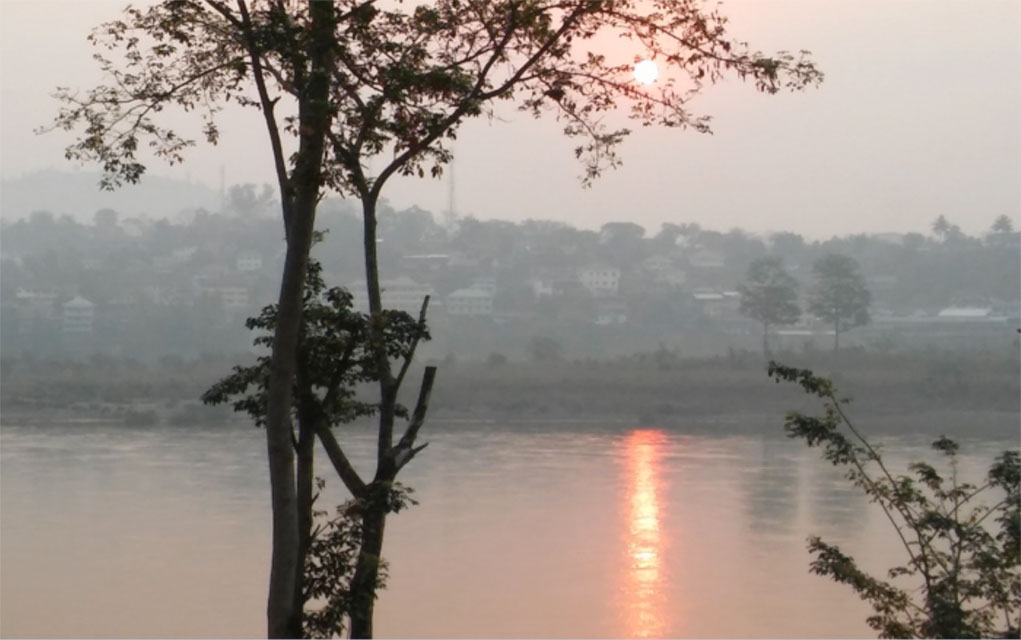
(401, 294)
(35, 305)
(484, 283)
(233, 298)
(79, 315)
(601, 281)
(542, 287)
(706, 259)
(248, 261)
(470, 302)
(965, 313)
(657, 263)
(672, 277)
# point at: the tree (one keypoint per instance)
(787, 243)
(941, 227)
(963, 556)
(397, 83)
(840, 296)
(769, 296)
(243, 201)
(622, 242)
(1003, 224)
(1002, 234)
(334, 356)
(105, 218)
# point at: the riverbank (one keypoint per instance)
(912, 392)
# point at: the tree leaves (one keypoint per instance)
(769, 294)
(334, 357)
(970, 575)
(840, 295)
(405, 78)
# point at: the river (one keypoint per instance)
(521, 531)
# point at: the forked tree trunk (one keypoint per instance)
(389, 458)
(283, 619)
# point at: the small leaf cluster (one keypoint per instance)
(965, 555)
(334, 356)
(330, 563)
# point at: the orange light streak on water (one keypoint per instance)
(645, 584)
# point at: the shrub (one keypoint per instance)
(966, 556)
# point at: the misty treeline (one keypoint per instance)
(150, 358)
(184, 286)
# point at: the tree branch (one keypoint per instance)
(279, 162)
(477, 95)
(407, 441)
(341, 464)
(414, 344)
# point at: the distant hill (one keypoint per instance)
(77, 194)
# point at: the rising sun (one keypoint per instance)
(646, 71)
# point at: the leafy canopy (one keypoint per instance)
(403, 78)
(770, 293)
(840, 296)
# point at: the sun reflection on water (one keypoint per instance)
(645, 584)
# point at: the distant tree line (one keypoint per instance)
(151, 279)
(839, 296)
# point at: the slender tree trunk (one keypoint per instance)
(363, 583)
(283, 621)
(371, 262)
(305, 480)
(389, 459)
(366, 576)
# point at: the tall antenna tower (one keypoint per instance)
(223, 189)
(451, 217)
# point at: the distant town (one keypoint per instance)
(136, 287)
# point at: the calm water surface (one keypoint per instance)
(538, 531)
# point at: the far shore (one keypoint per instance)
(957, 424)
(914, 392)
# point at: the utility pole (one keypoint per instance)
(451, 216)
(223, 189)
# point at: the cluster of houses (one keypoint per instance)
(77, 315)
(576, 281)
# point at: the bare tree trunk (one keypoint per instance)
(389, 458)
(363, 583)
(376, 504)
(305, 492)
(283, 621)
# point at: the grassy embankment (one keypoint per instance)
(914, 391)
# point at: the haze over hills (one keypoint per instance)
(77, 194)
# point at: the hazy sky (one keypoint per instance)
(920, 115)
